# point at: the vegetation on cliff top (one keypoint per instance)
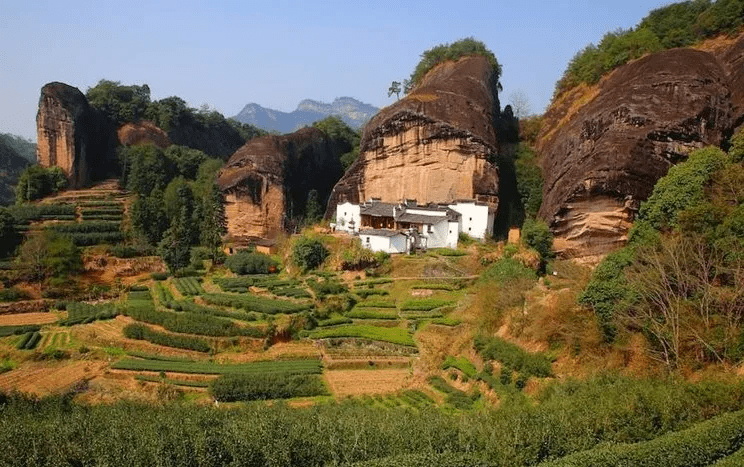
(677, 25)
(454, 51)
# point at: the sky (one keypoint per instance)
(276, 53)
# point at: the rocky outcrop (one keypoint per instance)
(433, 145)
(602, 158)
(267, 181)
(142, 132)
(71, 135)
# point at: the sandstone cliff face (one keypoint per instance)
(602, 160)
(266, 181)
(433, 144)
(143, 132)
(71, 135)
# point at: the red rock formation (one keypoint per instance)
(433, 144)
(603, 157)
(266, 181)
(62, 142)
(142, 132)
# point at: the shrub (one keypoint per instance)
(36, 182)
(513, 356)
(536, 235)
(461, 363)
(308, 253)
(454, 51)
(13, 295)
(246, 262)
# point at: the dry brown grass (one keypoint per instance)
(23, 319)
(44, 378)
(343, 383)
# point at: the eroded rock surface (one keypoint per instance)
(266, 182)
(69, 133)
(433, 145)
(142, 132)
(602, 159)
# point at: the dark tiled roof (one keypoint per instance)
(380, 232)
(377, 209)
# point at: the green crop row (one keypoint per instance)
(364, 293)
(161, 357)
(241, 284)
(188, 285)
(190, 323)
(461, 363)
(327, 287)
(83, 313)
(429, 459)
(164, 294)
(29, 341)
(424, 304)
(372, 313)
(296, 367)
(362, 331)
(334, 321)
(95, 238)
(110, 210)
(513, 356)
(700, 445)
(378, 303)
(455, 397)
(187, 305)
(175, 382)
(24, 213)
(103, 217)
(446, 321)
(16, 330)
(86, 227)
(291, 292)
(142, 332)
(254, 303)
(261, 386)
(734, 460)
(372, 282)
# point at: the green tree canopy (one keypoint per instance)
(454, 51)
(119, 102)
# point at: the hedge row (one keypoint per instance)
(29, 341)
(174, 382)
(378, 303)
(254, 303)
(230, 388)
(699, 445)
(190, 323)
(111, 210)
(83, 313)
(25, 213)
(291, 292)
(513, 356)
(188, 286)
(16, 330)
(372, 313)
(95, 238)
(334, 321)
(425, 304)
(295, 367)
(186, 305)
(398, 336)
(364, 293)
(455, 397)
(86, 227)
(461, 363)
(429, 459)
(327, 287)
(142, 332)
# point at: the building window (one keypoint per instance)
(471, 219)
(367, 239)
(469, 229)
(431, 229)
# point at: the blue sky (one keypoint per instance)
(276, 53)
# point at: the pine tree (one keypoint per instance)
(214, 222)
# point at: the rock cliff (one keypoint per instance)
(604, 148)
(433, 145)
(142, 132)
(72, 135)
(267, 181)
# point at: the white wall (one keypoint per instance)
(438, 237)
(345, 213)
(396, 244)
(453, 234)
(476, 220)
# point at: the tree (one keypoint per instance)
(313, 209)
(9, 236)
(36, 182)
(519, 103)
(48, 254)
(308, 253)
(394, 89)
(214, 223)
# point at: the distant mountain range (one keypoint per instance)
(351, 111)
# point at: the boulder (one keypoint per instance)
(433, 145)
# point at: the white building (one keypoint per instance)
(476, 219)
(403, 227)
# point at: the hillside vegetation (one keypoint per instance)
(676, 25)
